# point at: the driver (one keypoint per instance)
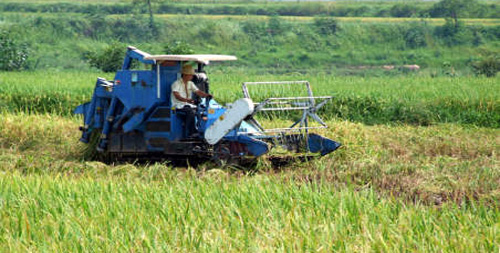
(182, 100)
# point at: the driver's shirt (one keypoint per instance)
(184, 90)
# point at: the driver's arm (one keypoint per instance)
(182, 99)
(202, 94)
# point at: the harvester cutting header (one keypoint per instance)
(137, 115)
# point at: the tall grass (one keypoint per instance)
(380, 100)
(215, 213)
(430, 165)
(414, 100)
(46, 91)
(344, 20)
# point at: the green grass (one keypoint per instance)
(214, 213)
(345, 20)
(418, 100)
(390, 187)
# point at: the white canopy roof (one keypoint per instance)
(203, 58)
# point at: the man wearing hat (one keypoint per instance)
(182, 90)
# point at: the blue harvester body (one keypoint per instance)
(132, 116)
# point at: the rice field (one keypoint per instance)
(393, 186)
(390, 187)
(216, 213)
(418, 170)
(419, 100)
(374, 20)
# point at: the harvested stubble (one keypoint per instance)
(430, 165)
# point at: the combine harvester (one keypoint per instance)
(132, 118)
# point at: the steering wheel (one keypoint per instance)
(197, 100)
(207, 101)
(201, 109)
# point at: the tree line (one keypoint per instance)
(464, 8)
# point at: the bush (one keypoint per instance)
(178, 47)
(254, 29)
(13, 55)
(109, 60)
(403, 10)
(462, 9)
(454, 34)
(274, 25)
(415, 37)
(488, 67)
(326, 25)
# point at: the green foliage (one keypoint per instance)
(453, 34)
(416, 36)
(488, 67)
(149, 9)
(370, 100)
(254, 29)
(404, 10)
(326, 25)
(178, 47)
(108, 60)
(377, 44)
(306, 8)
(123, 28)
(275, 26)
(453, 9)
(13, 54)
(268, 44)
(130, 28)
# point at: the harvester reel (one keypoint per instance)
(307, 104)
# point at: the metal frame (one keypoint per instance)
(306, 104)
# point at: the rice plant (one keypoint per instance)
(392, 186)
(378, 100)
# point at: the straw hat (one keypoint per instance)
(187, 70)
